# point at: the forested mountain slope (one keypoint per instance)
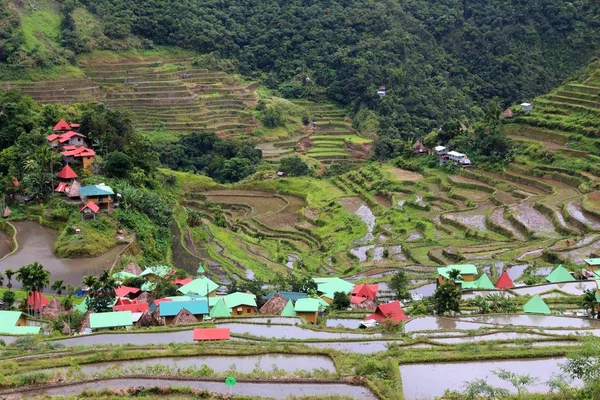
(439, 60)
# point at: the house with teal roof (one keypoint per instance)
(560, 274)
(202, 286)
(592, 264)
(157, 272)
(536, 306)
(327, 287)
(197, 307)
(308, 309)
(288, 310)
(15, 323)
(219, 309)
(293, 296)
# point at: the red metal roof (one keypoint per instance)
(74, 125)
(78, 152)
(52, 137)
(121, 301)
(92, 206)
(133, 307)
(62, 125)
(62, 187)
(504, 282)
(211, 334)
(67, 173)
(366, 291)
(392, 310)
(15, 182)
(40, 301)
(357, 299)
(68, 135)
(182, 282)
(123, 291)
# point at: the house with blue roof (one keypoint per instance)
(197, 307)
(102, 195)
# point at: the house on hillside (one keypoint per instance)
(15, 323)
(101, 195)
(169, 310)
(592, 264)
(361, 293)
(89, 210)
(241, 303)
(419, 148)
(381, 92)
(392, 311)
(82, 154)
(468, 272)
(527, 107)
(308, 309)
(327, 287)
(111, 320)
(65, 176)
(560, 274)
(201, 286)
(507, 113)
(459, 159)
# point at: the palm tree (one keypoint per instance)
(589, 302)
(481, 303)
(58, 286)
(9, 273)
(89, 281)
(40, 279)
(454, 275)
(24, 276)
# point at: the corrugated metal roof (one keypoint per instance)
(536, 306)
(211, 334)
(110, 319)
(171, 309)
(220, 309)
(288, 295)
(560, 274)
(236, 299)
(201, 286)
(96, 190)
(307, 305)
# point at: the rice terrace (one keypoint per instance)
(299, 200)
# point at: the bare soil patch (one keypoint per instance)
(382, 200)
(404, 175)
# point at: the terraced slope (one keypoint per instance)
(169, 94)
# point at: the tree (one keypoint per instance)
(479, 389)
(447, 299)
(294, 166)
(341, 301)
(34, 279)
(9, 274)
(454, 274)
(589, 302)
(118, 165)
(9, 299)
(58, 286)
(520, 382)
(399, 285)
(101, 292)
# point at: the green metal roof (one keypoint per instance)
(220, 309)
(148, 286)
(20, 330)
(560, 274)
(329, 286)
(212, 301)
(288, 295)
(9, 319)
(82, 307)
(96, 190)
(595, 262)
(483, 282)
(201, 286)
(200, 269)
(110, 319)
(123, 275)
(307, 305)
(536, 306)
(158, 270)
(288, 310)
(237, 299)
(465, 269)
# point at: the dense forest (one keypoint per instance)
(440, 60)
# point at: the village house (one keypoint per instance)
(15, 323)
(134, 306)
(90, 209)
(592, 264)
(391, 311)
(218, 308)
(467, 273)
(327, 287)
(419, 148)
(157, 272)
(101, 195)
(560, 274)
(381, 92)
(292, 296)
(65, 133)
(111, 320)
(82, 154)
(527, 107)
(459, 158)
(361, 293)
(201, 286)
(65, 176)
(536, 305)
(170, 309)
(504, 282)
(241, 303)
(308, 309)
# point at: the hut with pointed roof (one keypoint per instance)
(184, 317)
(392, 311)
(146, 319)
(560, 274)
(133, 268)
(220, 310)
(419, 148)
(536, 306)
(274, 306)
(288, 310)
(504, 282)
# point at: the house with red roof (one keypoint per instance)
(124, 291)
(90, 208)
(392, 311)
(182, 282)
(36, 301)
(360, 293)
(202, 334)
(63, 126)
(134, 306)
(64, 134)
(82, 154)
(65, 176)
(504, 282)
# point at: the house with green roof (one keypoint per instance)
(536, 306)
(111, 320)
(327, 287)
(122, 275)
(308, 309)
(202, 286)
(293, 296)
(241, 303)
(560, 274)
(482, 283)
(288, 310)
(468, 272)
(219, 309)
(15, 323)
(592, 264)
(157, 272)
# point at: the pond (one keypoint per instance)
(243, 364)
(418, 383)
(536, 320)
(277, 390)
(36, 243)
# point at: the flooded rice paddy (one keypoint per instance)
(418, 385)
(277, 390)
(343, 322)
(356, 206)
(540, 321)
(36, 243)
(435, 323)
(574, 208)
(574, 288)
(425, 290)
(534, 220)
(290, 332)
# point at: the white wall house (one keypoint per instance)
(527, 107)
(440, 150)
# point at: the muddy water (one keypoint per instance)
(485, 338)
(534, 220)
(426, 290)
(361, 252)
(355, 205)
(36, 243)
(418, 385)
(433, 324)
(343, 322)
(516, 271)
(382, 200)
(289, 332)
(536, 320)
(574, 288)
(355, 347)
(244, 364)
(498, 217)
(574, 208)
(5, 241)
(277, 390)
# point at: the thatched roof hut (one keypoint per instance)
(146, 319)
(145, 297)
(86, 321)
(73, 190)
(507, 113)
(368, 304)
(274, 305)
(419, 148)
(184, 317)
(52, 309)
(66, 330)
(133, 268)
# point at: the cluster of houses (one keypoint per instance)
(73, 147)
(444, 155)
